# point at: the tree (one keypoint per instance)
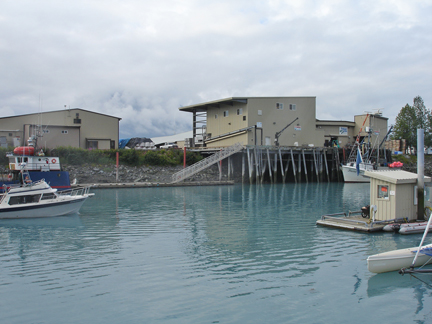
(409, 119)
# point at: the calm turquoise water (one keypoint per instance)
(229, 254)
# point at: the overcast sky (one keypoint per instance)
(141, 60)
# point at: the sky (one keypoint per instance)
(140, 60)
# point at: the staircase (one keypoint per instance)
(205, 163)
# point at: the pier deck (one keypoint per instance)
(351, 222)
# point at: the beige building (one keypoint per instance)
(262, 120)
(69, 127)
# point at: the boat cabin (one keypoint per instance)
(394, 193)
(34, 163)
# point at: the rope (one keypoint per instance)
(427, 284)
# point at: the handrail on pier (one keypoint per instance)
(205, 163)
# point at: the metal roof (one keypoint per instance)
(216, 103)
(55, 111)
(395, 176)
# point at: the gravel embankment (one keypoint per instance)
(87, 174)
(162, 174)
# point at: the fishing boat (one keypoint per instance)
(38, 199)
(37, 164)
(361, 157)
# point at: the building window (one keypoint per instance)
(244, 117)
(279, 105)
(293, 107)
(383, 191)
(226, 113)
(259, 112)
(10, 135)
(77, 120)
(92, 145)
(216, 116)
(64, 131)
(112, 145)
(240, 111)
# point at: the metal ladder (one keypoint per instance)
(205, 163)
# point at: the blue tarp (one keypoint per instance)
(123, 142)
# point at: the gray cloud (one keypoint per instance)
(142, 60)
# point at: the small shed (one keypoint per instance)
(394, 192)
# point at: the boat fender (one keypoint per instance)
(10, 178)
(47, 161)
(53, 161)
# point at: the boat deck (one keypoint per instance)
(353, 221)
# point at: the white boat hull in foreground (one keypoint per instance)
(397, 259)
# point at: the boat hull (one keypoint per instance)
(409, 228)
(56, 179)
(396, 260)
(350, 174)
(62, 207)
(415, 228)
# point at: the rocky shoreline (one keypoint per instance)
(89, 174)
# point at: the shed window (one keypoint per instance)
(293, 107)
(240, 111)
(226, 113)
(383, 191)
(279, 105)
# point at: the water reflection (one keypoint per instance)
(259, 227)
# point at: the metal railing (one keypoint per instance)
(205, 163)
(80, 191)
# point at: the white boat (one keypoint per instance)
(407, 228)
(38, 199)
(398, 259)
(350, 173)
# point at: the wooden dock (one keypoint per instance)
(353, 221)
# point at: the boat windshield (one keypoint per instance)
(27, 199)
(49, 196)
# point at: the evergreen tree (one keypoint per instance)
(409, 119)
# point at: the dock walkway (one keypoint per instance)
(353, 221)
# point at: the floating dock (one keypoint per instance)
(351, 221)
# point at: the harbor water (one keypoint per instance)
(217, 254)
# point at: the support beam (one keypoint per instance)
(326, 166)
(304, 164)
(269, 165)
(316, 165)
(294, 167)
